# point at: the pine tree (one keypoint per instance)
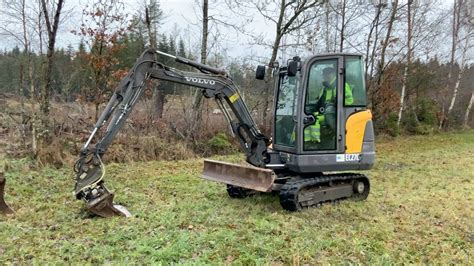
(181, 48)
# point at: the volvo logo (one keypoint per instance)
(200, 80)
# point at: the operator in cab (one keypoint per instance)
(325, 114)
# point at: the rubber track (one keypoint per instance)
(289, 191)
(239, 192)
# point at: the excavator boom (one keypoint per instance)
(214, 83)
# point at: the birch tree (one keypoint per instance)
(465, 45)
(408, 61)
(456, 22)
(468, 110)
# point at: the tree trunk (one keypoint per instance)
(268, 83)
(407, 65)
(40, 28)
(326, 13)
(402, 94)
(159, 102)
(386, 42)
(462, 68)
(343, 21)
(46, 89)
(158, 98)
(468, 110)
(52, 31)
(205, 32)
(455, 93)
(26, 46)
(455, 30)
(197, 102)
(22, 90)
(368, 53)
(381, 64)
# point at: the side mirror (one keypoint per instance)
(292, 68)
(260, 72)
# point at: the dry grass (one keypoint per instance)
(141, 139)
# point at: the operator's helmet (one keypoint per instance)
(329, 70)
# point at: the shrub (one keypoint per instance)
(219, 141)
(421, 119)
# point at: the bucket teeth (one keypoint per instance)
(103, 206)
(4, 208)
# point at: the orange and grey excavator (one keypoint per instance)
(321, 130)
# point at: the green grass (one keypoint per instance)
(420, 210)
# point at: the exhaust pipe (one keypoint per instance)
(4, 208)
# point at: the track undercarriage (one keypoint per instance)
(297, 192)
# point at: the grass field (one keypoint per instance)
(420, 210)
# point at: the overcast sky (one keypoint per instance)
(181, 17)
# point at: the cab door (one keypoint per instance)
(320, 129)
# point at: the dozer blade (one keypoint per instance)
(104, 206)
(4, 208)
(242, 176)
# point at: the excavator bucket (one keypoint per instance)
(238, 175)
(104, 206)
(4, 208)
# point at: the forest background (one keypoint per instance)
(418, 63)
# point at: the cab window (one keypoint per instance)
(286, 111)
(355, 94)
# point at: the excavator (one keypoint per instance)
(322, 131)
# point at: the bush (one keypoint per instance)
(219, 141)
(424, 129)
(421, 119)
(387, 125)
(392, 126)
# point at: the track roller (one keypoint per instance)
(312, 192)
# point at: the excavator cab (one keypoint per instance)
(321, 121)
(321, 129)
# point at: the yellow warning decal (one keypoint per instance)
(234, 97)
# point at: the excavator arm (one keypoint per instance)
(214, 83)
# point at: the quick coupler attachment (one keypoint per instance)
(100, 201)
(4, 208)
